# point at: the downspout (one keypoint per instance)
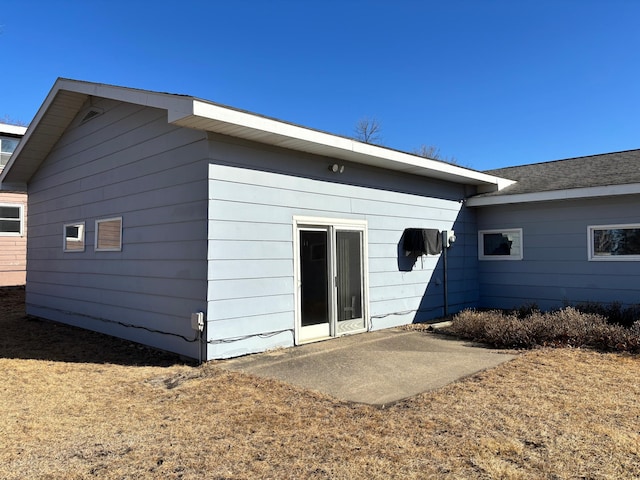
(445, 247)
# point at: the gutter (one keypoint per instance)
(567, 194)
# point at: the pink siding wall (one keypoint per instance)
(13, 249)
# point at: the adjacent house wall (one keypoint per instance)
(254, 193)
(126, 162)
(13, 248)
(555, 269)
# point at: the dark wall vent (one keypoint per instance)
(91, 113)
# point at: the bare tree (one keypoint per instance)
(368, 130)
(432, 152)
(6, 119)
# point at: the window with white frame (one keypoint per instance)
(10, 220)
(614, 242)
(74, 237)
(500, 244)
(109, 235)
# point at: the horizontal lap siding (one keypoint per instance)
(129, 163)
(251, 265)
(555, 269)
(13, 248)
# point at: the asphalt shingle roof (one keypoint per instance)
(619, 168)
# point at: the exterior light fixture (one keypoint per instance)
(335, 168)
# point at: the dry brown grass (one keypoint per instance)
(79, 405)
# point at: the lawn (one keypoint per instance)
(77, 405)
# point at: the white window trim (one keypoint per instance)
(609, 258)
(102, 220)
(21, 207)
(482, 256)
(81, 236)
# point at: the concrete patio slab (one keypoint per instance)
(376, 368)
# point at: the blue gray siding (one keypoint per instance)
(126, 162)
(555, 269)
(254, 193)
(208, 226)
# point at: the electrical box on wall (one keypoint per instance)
(197, 321)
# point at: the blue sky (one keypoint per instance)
(490, 83)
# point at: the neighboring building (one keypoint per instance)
(146, 208)
(567, 232)
(13, 216)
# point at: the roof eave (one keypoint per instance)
(215, 118)
(17, 130)
(67, 97)
(62, 104)
(555, 195)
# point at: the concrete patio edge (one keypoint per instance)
(376, 368)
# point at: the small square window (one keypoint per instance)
(109, 235)
(74, 237)
(500, 244)
(10, 220)
(614, 242)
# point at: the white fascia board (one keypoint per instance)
(166, 101)
(12, 129)
(29, 131)
(173, 103)
(569, 194)
(333, 145)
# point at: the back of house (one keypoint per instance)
(213, 232)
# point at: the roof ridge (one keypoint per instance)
(564, 159)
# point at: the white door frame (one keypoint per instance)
(331, 225)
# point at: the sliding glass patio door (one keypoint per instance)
(331, 277)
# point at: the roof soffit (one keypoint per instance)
(53, 118)
(236, 123)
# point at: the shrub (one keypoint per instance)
(615, 312)
(566, 327)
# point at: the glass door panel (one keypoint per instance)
(349, 281)
(314, 288)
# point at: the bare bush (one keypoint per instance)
(614, 312)
(567, 327)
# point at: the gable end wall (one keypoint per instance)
(127, 162)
